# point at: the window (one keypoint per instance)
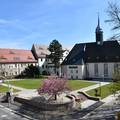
(71, 71)
(71, 77)
(87, 70)
(106, 70)
(16, 65)
(6, 73)
(73, 67)
(116, 67)
(96, 70)
(76, 71)
(21, 65)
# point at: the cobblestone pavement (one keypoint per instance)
(50, 115)
(98, 111)
(105, 112)
(8, 114)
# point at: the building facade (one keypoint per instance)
(13, 61)
(92, 60)
(41, 54)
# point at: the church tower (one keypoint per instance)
(99, 34)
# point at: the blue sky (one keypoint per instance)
(24, 22)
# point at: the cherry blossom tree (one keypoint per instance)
(53, 86)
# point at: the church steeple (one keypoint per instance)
(99, 33)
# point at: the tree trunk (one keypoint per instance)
(55, 96)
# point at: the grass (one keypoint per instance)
(105, 91)
(28, 83)
(5, 89)
(36, 83)
(78, 84)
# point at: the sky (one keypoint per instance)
(27, 22)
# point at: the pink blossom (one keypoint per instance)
(53, 86)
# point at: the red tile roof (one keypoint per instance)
(16, 56)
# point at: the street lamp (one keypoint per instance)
(100, 85)
(100, 88)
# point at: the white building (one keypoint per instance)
(41, 54)
(92, 60)
(14, 61)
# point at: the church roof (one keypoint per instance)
(81, 53)
(76, 55)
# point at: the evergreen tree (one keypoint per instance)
(56, 53)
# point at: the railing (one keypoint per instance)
(89, 97)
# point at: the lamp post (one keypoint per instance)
(100, 85)
(100, 88)
(7, 93)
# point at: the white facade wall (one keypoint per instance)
(69, 71)
(41, 61)
(73, 71)
(46, 65)
(42, 64)
(13, 69)
(100, 70)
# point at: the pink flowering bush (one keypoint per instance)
(53, 86)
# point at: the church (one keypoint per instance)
(92, 60)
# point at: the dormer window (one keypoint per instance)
(2, 57)
(74, 60)
(97, 57)
(88, 58)
(42, 53)
(106, 57)
(29, 57)
(98, 42)
(40, 48)
(117, 57)
(16, 58)
(11, 52)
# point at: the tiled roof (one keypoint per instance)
(75, 57)
(81, 53)
(16, 56)
(108, 52)
(40, 51)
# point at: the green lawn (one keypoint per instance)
(5, 89)
(77, 84)
(105, 91)
(36, 83)
(28, 83)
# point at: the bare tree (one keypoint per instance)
(113, 12)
